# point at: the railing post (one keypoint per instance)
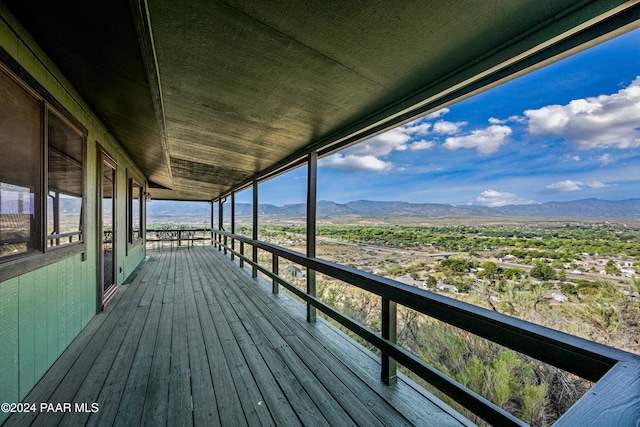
(220, 202)
(233, 223)
(254, 269)
(389, 332)
(211, 224)
(312, 178)
(241, 253)
(275, 288)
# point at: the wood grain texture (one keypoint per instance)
(613, 401)
(194, 340)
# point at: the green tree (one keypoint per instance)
(512, 273)
(431, 282)
(542, 271)
(491, 270)
(611, 269)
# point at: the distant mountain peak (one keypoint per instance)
(368, 208)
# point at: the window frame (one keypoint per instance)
(18, 264)
(49, 110)
(131, 180)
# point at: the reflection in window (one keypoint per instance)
(20, 139)
(135, 210)
(64, 202)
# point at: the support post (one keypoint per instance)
(211, 225)
(233, 223)
(389, 332)
(275, 286)
(220, 202)
(312, 179)
(254, 269)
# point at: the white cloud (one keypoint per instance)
(595, 122)
(350, 162)
(369, 155)
(517, 119)
(381, 145)
(421, 145)
(437, 114)
(494, 198)
(597, 184)
(605, 159)
(416, 128)
(486, 141)
(443, 127)
(564, 186)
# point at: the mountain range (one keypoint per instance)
(365, 208)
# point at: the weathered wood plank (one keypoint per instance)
(181, 407)
(227, 390)
(406, 399)
(286, 362)
(334, 376)
(274, 398)
(615, 397)
(205, 410)
(192, 327)
(156, 400)
(132, 402)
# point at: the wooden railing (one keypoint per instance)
(56, 239)
(616, 394)
(178, 235)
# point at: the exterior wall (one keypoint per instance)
(43, 310)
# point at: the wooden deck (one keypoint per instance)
(193, 340)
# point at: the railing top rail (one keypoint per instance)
(582, 357)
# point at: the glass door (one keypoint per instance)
(107, 233)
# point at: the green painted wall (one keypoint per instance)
(42, 311)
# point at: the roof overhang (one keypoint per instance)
(206, 96)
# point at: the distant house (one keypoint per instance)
(447, 288)
(295, 271)
(559, 297)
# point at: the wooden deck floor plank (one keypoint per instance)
(120, 370)
(156, 399)
(194, 340)
(274, 398)
(413, 402)
(228, 392)
(132, 402)
(337, 407)
(314, 405)
(205, 409)
(180, 409)
(405, 399)
(311, 398)
(353, 395)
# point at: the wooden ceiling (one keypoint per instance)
(207, 95)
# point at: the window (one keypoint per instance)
(64, 201)
(38, 146)
(134, 207)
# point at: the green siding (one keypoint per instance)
(52, 313)
(9, 372)
(40, 303)
(26, 332)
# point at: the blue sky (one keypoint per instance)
(565, 132)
